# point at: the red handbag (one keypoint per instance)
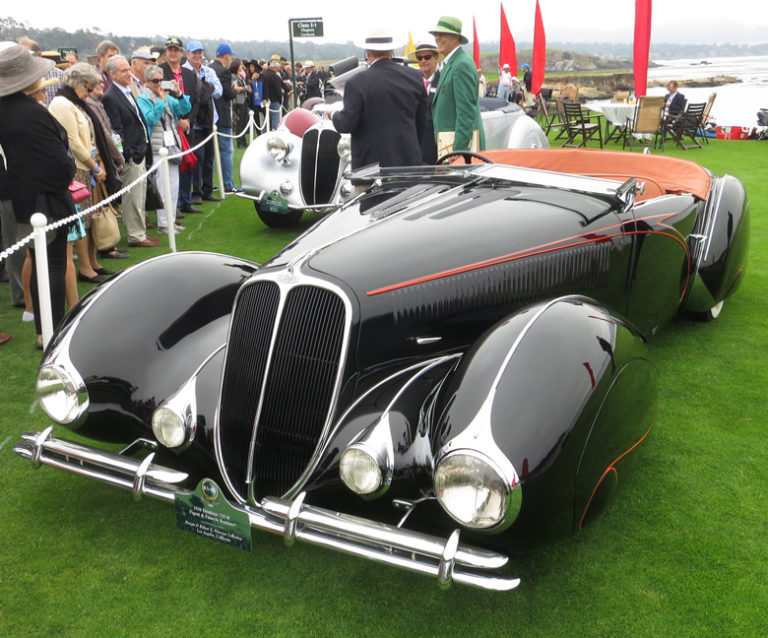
(79, 191)
(188, 160)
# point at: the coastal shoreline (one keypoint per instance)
(603, 85)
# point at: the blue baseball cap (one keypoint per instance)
(195, 45)
(526, 66)
(224, 49)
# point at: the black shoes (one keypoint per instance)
(98, 279)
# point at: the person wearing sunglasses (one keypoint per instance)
(427, 56)
(162, 104)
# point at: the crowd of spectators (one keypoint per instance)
(103, 124)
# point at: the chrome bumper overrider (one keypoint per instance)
(448, 560)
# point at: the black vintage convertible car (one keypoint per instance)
(449, 368)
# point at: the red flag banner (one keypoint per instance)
(539, 52)
(507, 53)
(475, 44)
(642, 46)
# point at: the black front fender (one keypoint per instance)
(136, 339)
(532, 390)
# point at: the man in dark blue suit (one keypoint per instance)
(385, 109)
(674, 102)
(128, 122)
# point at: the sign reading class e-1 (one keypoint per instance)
(307, 28)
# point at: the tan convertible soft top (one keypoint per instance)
(662, 175)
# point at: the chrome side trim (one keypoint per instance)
(447, 560)
(376, 440)
(389, 379)
(711, 210)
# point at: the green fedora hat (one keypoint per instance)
(451, 26)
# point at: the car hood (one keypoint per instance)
(417, 230)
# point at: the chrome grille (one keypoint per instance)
(279, 384)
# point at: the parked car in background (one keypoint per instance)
(301, 165)
(449, 368)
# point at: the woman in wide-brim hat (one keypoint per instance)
(39, 166)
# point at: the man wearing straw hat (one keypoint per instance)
(385, 108)
(425, 53)
(455, 108)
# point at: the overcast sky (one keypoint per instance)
(685, 21)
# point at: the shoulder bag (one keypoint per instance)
(104, 227)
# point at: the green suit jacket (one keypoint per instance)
(455, 106)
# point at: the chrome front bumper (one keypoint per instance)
(318, 208)
(448, 560)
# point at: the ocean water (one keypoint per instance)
(735, 104)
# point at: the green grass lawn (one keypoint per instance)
(682, 551)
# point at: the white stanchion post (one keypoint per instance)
(217, 159)
(39, 222)
(250, 126)
(170, 207)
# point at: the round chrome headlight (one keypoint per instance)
(169, 427)
(471, 489)
(61, 393)
(278, 148)
(344, 149)
(360, 471)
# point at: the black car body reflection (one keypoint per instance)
(450, 366)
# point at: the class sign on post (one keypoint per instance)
(307, 28)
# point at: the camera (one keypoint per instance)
(167, 85)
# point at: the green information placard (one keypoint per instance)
(206, 512)
(273, 203)
(307, 28)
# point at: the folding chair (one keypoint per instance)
(705, 116)
(548, 121)
(579, 125)
(645, 123)
(685, 125)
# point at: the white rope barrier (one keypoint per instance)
(68, 220)
(4, 254)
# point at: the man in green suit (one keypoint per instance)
(455, 108)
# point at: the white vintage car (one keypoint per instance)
(302, 164)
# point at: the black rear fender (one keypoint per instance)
(722, 238)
